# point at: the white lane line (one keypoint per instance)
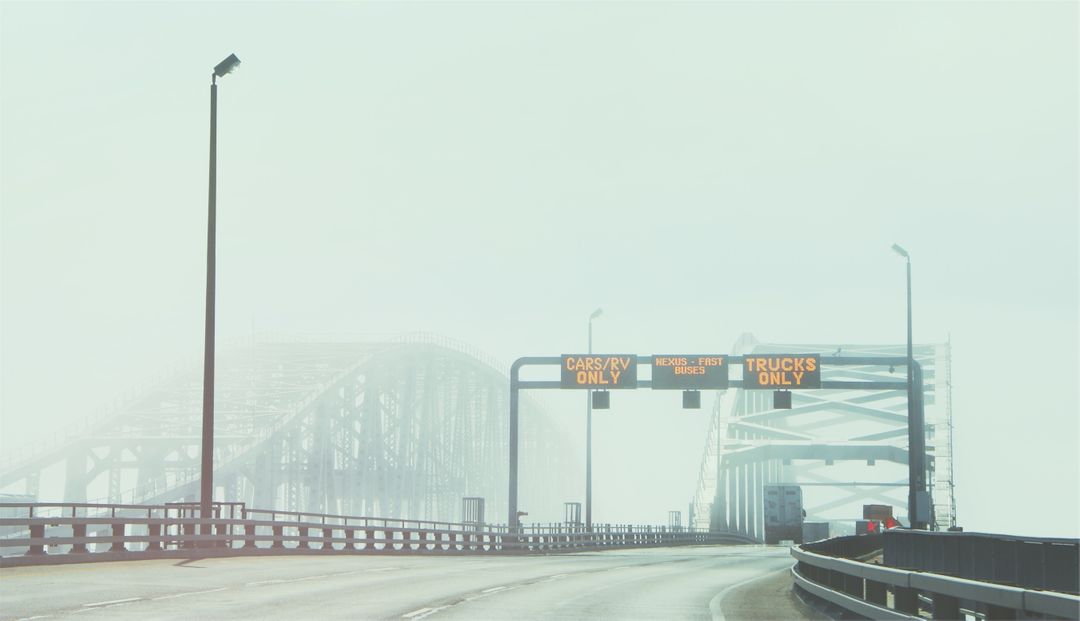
(383, 569)
(262, 582)
(174, 596)
(113, 601)
(311, 578)
(493, 589)
(416, 615)
(32, 618)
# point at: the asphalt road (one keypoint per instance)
(668, 583)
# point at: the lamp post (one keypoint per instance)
(588, 437)
(916, 426)
(206, 491)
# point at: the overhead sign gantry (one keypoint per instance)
(693, 373)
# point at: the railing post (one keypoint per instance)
(327, 540)
(876, 593)
(279, 536)
(853, 585)
(945, 607)
(117, 537)
(78, 531)
(37, 531)
(249, 536)
(1000, 612)
(189, 532)
(153, 530)
(906, 600)
(221, 530)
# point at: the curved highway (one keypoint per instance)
(657, 583)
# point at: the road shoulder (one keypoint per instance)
(769, 598)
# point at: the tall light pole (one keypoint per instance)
(206, 491)
(588, 436)
(916, 425)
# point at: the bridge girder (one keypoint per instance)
(394, 429)
(826, 436)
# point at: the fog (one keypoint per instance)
(494, 172)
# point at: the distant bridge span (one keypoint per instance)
(393, 428)
(846, 447)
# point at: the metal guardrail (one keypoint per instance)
(880, 592)
(39, 533)
(1050, 564)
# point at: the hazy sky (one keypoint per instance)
(494, 171)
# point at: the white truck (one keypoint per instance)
(783, 513)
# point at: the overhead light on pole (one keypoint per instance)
(206, 483)
(916, 432)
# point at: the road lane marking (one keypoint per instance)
(32, 618)
(416, 615)
(493, 589)
(113, 601)
(188, 593)
(262, 582)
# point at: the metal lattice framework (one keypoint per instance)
(845, 447)
(391, 428)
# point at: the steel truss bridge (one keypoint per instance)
(403, 428)
(845, 447)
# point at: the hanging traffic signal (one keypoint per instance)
(891, 522)
(871, 527)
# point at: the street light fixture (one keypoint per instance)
(206, 491)
(588, 436)
(916, 425)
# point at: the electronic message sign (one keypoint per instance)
(686, 372)
(601, 372)
(782, 371)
